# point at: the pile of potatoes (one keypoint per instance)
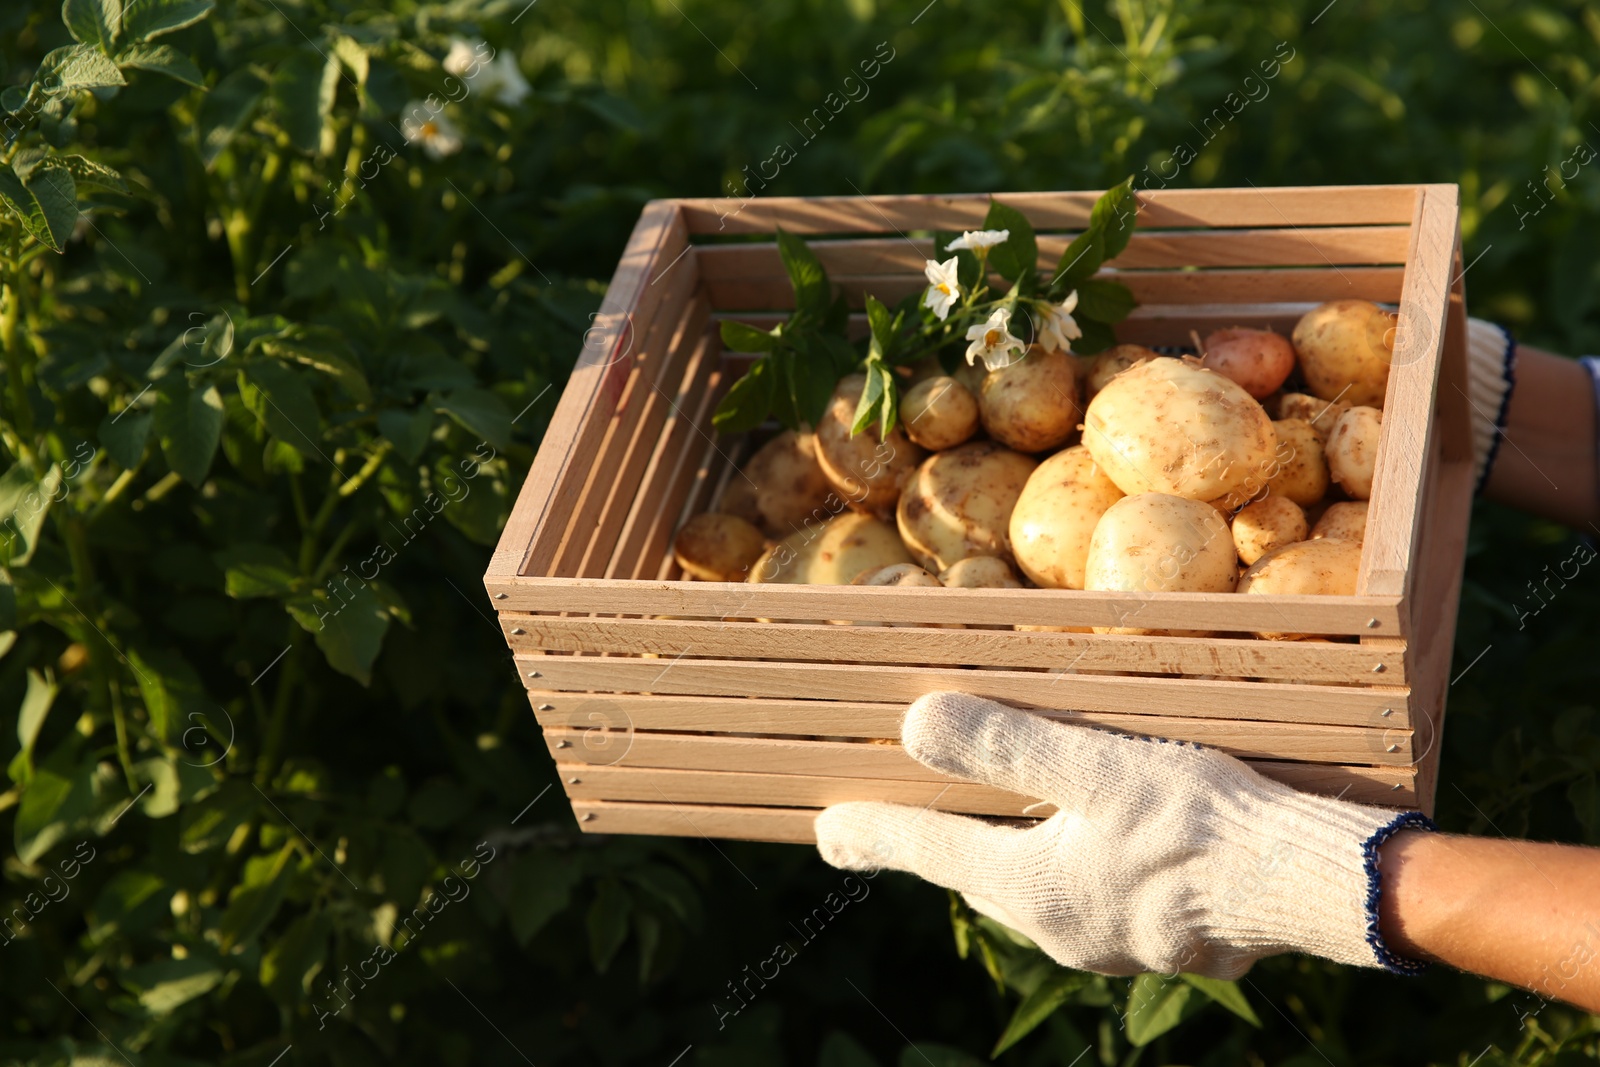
(1245, 468)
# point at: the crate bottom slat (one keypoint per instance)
(660, 785)
(1312, 743)
(792, 826)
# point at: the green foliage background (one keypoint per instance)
(230, 394)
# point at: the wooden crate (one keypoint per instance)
(707, 722)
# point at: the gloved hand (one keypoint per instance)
(1162, 856)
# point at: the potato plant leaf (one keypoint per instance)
(144, 19)
(1115, 215)
(44, 198)
(1017, 257)
(162, 59)
(1226, 993)
(812, 292)
(1104, 301)
(188, 423)
(1038, 1006)
(349, 630)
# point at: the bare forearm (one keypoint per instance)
(1517, 911)
(1545, 462)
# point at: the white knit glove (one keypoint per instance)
(1491, 375)
(1162, 856)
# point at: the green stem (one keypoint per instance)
(120, 719)
(332, 555)
(170, 481)
(278, 723)
(350, 486)
(116, 489)
(16, 371)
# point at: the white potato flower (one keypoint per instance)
(438, 135)
(978, 240)
(943, 286)
(994, 343)
(1059, 329)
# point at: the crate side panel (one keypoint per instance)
(559, 470)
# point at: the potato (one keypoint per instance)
(1112, 362)
(1032, 405)
(971, 375)
(958, 503)
(1346, 520)
(1326, 567)
(1267, 524)
(718, 548)
(1353, 450)
(1321, 414)
(901, 574)
(866, 471)
(939, 413)
(782, 485)
(1172, 426)
(1055, 517)
(1156, 542)
(1258, 360)
(1345, 347)
(831, 552)
(1299, 469)
(979, 572)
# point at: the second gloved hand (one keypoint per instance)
(1162, 856)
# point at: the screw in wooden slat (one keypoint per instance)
(518, 630)
(1387, 712)
(574, 781)
(1395, 788)
(1372, 624)
(1379, 669)
(547, 707)
(563, 744)
(1394, 748)
(499, 596)
(588, 816)
(533, 674)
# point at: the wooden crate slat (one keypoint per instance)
(1211, 286)
(851, 759)
(1341, 246)
(664, 504)
(1267, 701)
(631, 437)
(1232, 657)
(654, 785)
(559, 471)
(606, 720)
(792, 826)
(1148, 324)
(1327, 205)
(664, 474)
(1225, 612)
(1394, 521)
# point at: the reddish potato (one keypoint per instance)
(1259, 360)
